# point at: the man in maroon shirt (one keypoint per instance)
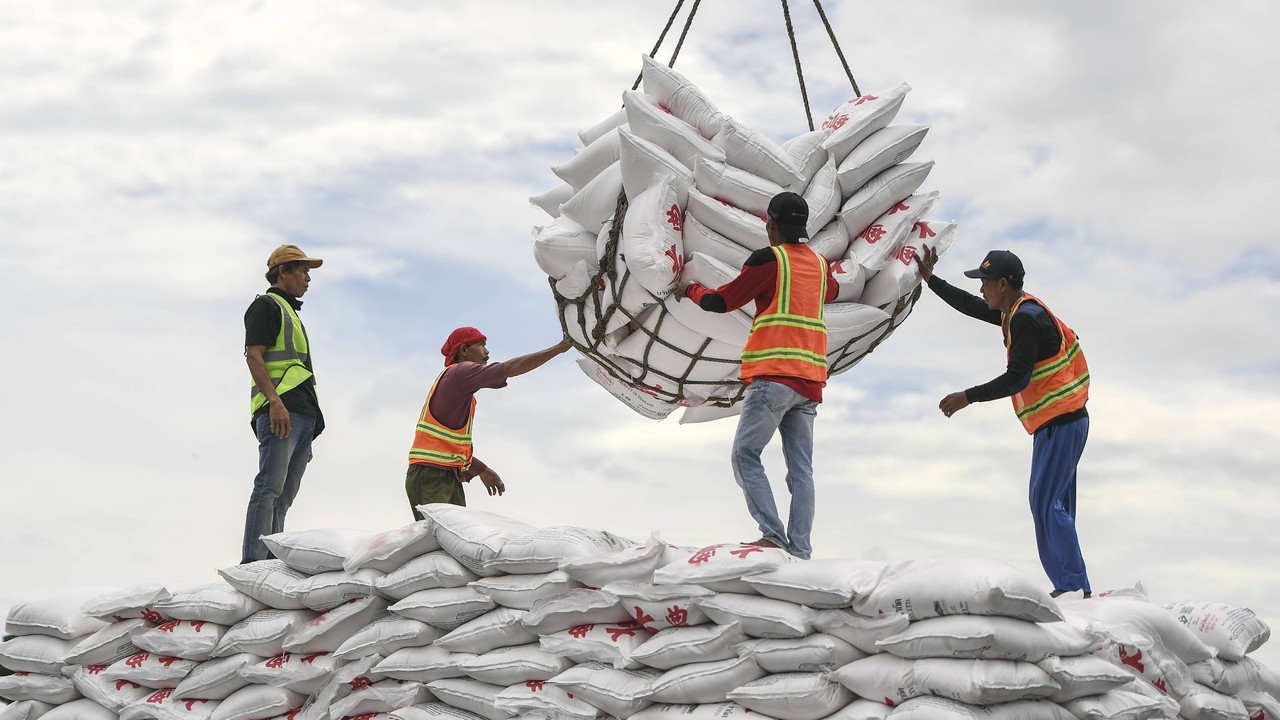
(441, 460)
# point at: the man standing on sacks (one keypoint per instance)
(441, 458)
(282, 401)
(1048, 380)
(785, 364)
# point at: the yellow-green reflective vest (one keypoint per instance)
(288, 359)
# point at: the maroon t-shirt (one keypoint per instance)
(452, 399)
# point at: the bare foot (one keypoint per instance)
(764, 543)
(1057, 593)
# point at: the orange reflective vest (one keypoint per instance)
(437, 444)
(790, 337)
(1058, 385)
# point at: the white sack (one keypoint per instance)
(929, 588)
(832, 241)
(380, 697)
(327, 632)
(612, 643)
(433, 711)
(497, 628)
(860, 632)
(823, 198)
(429, 572)
(851, 279)
(216, 679)
(852, 329)
(679, 646)
(591, 206)
(657, 607)
(51, 689)
(721, 562)
(423, 664)
(590, 161)
(652, 238)
(852, 122)
(385, 635)
(315, 551)
(638, 400)
(217, 603)
(262, 633)
(695, 711)
(300, 673)
(806, 152)
(880, 151)
(25, 710)
(470, 695)
(511, 665)
(113, 695)
(620, 693)
(1152, 620)
(258, 702)
(980, 682)
(820, 584)
(734, 223)
(150, 670)
(759, 617)
(793, 696)
(672, 92)
(936, 708)
(580, 606)
(901, 276)
(1083, 675)
(538, 699)
(719, 363)
(749, 150)
(270, 582)
(83, 709)
(882, 240)
(551, 200)
(708, 682)
(388, 551)
(731, 328)
(1231, 631)
(326, 591)
(881, 194)
(128, 603)
(36, 653)
(698, 238)
(812, 653)
(736, 187)
(650, 121)
(1202, 703)
(617, 118)
(1116, 705)
(559, 246)
(643, 163)
(987, 637)
(635, 563)
(61, 617)
(189, 639)
(541, 552)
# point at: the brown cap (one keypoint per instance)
(291, 253)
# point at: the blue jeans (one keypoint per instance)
(770, 406)
(1055, 453)
(281, 462)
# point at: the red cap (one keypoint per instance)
(458, 338)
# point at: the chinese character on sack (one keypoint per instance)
(122, 683)
(837, 267)
(677, 262)
(746, 550)
(865, 98)
(168, 661)
(581, 631)
(152, 616)
(643, 618)
(160, 696)
(873, 234)
(95, 669)
(1159, 685)
(674, 217)
(366, 716)
(905, 255)
(677, 616)
(137, 660)
(169, 626)
(617, 632)
(899, 206)
(835, 122)
(198, 625)
(1134, 661)
(704, 554)
(278, 661)
(536, 685)
(193, 701)
(360, 682)
(311, 659)
(925, 230)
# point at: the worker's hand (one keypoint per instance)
(564, 345)
(926, 260)
(492, 482)
(953, 403)
(682, 289)
(279, 418)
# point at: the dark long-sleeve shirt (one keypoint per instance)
(758, 281)
(1033, 338)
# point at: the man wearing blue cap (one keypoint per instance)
(1048, 380)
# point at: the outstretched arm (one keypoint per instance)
(971, 305)
(526, 363)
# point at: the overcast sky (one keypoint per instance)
(153, 153)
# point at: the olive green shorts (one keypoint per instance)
(431, 484)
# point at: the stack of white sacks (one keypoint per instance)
(474, 616)
(697, 184)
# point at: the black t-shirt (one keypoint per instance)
(1033, 338)
(261, 327)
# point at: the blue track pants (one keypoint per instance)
(1055, 453)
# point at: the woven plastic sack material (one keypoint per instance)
(1226, 676)
(270, 582)
(521, 592)
(433, 711)
(216, 679)
(699, 238)
(539, 699)
(51, 689)
(880, 151)
(591, 206)
(1202, 703)
(1259, 705)
(988, 638)
(696, 711)
(511, 665)
(823, 198)
(150, 670)
(576, 607)
(820, 584)
(345, 678)
(1116, 705)
(862, 709)
(113, 695)
(1268, 679)
(731, 328)
(216, 603)
(793, 696)
(1231, 631)
(617, 118)
(470, 695)
(36, 654)
(851, 279)
(652, 239)
(861, 632)
(262, 633)
(315, 551)
(1159, 667)
(703, 683)
(759, 617)
(424, 664)
(472, 537)
(164, 705)
(658, 607)
(551, 200)
(648, 120)
(496, 629)
(678, 646)
(304, 674)
(750, 151)
(832, 241)
(722, 562)
(390, 550)
(187, 639)
(638, 400)
(660, 349)
(643, 163)
(257, 702)
(620, 693)
(24, 710)
(1116, 614)
(929, 588)
(734, 223)
(542, 551)
(429, 572)
(881, 194)
(1082, 676)
(60, 617)
(108, 645)
(612, 644)
(936, 708)
(738, 188)
(635, 564)
(380, 697)
(672, 92)
(980, 682)
(327, 632)
(129, 603)
(444, 608)
(881, 241)
(83, 709)
(812, 653)
(807, 154)
(589, 162)
(387, 635)
(326, 591)
(853, 330)
(558, 246)
(854, 121)
(901, 276)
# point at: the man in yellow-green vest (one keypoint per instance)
(282, 398)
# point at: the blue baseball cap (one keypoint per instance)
(998, 264)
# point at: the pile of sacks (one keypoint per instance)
(473, 616)
(670, 188)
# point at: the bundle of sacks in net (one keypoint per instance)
(669, 188)
(469, 615)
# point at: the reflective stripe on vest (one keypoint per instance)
(288, 360)
(1059, 385)
(437, 444)
(789, 338)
